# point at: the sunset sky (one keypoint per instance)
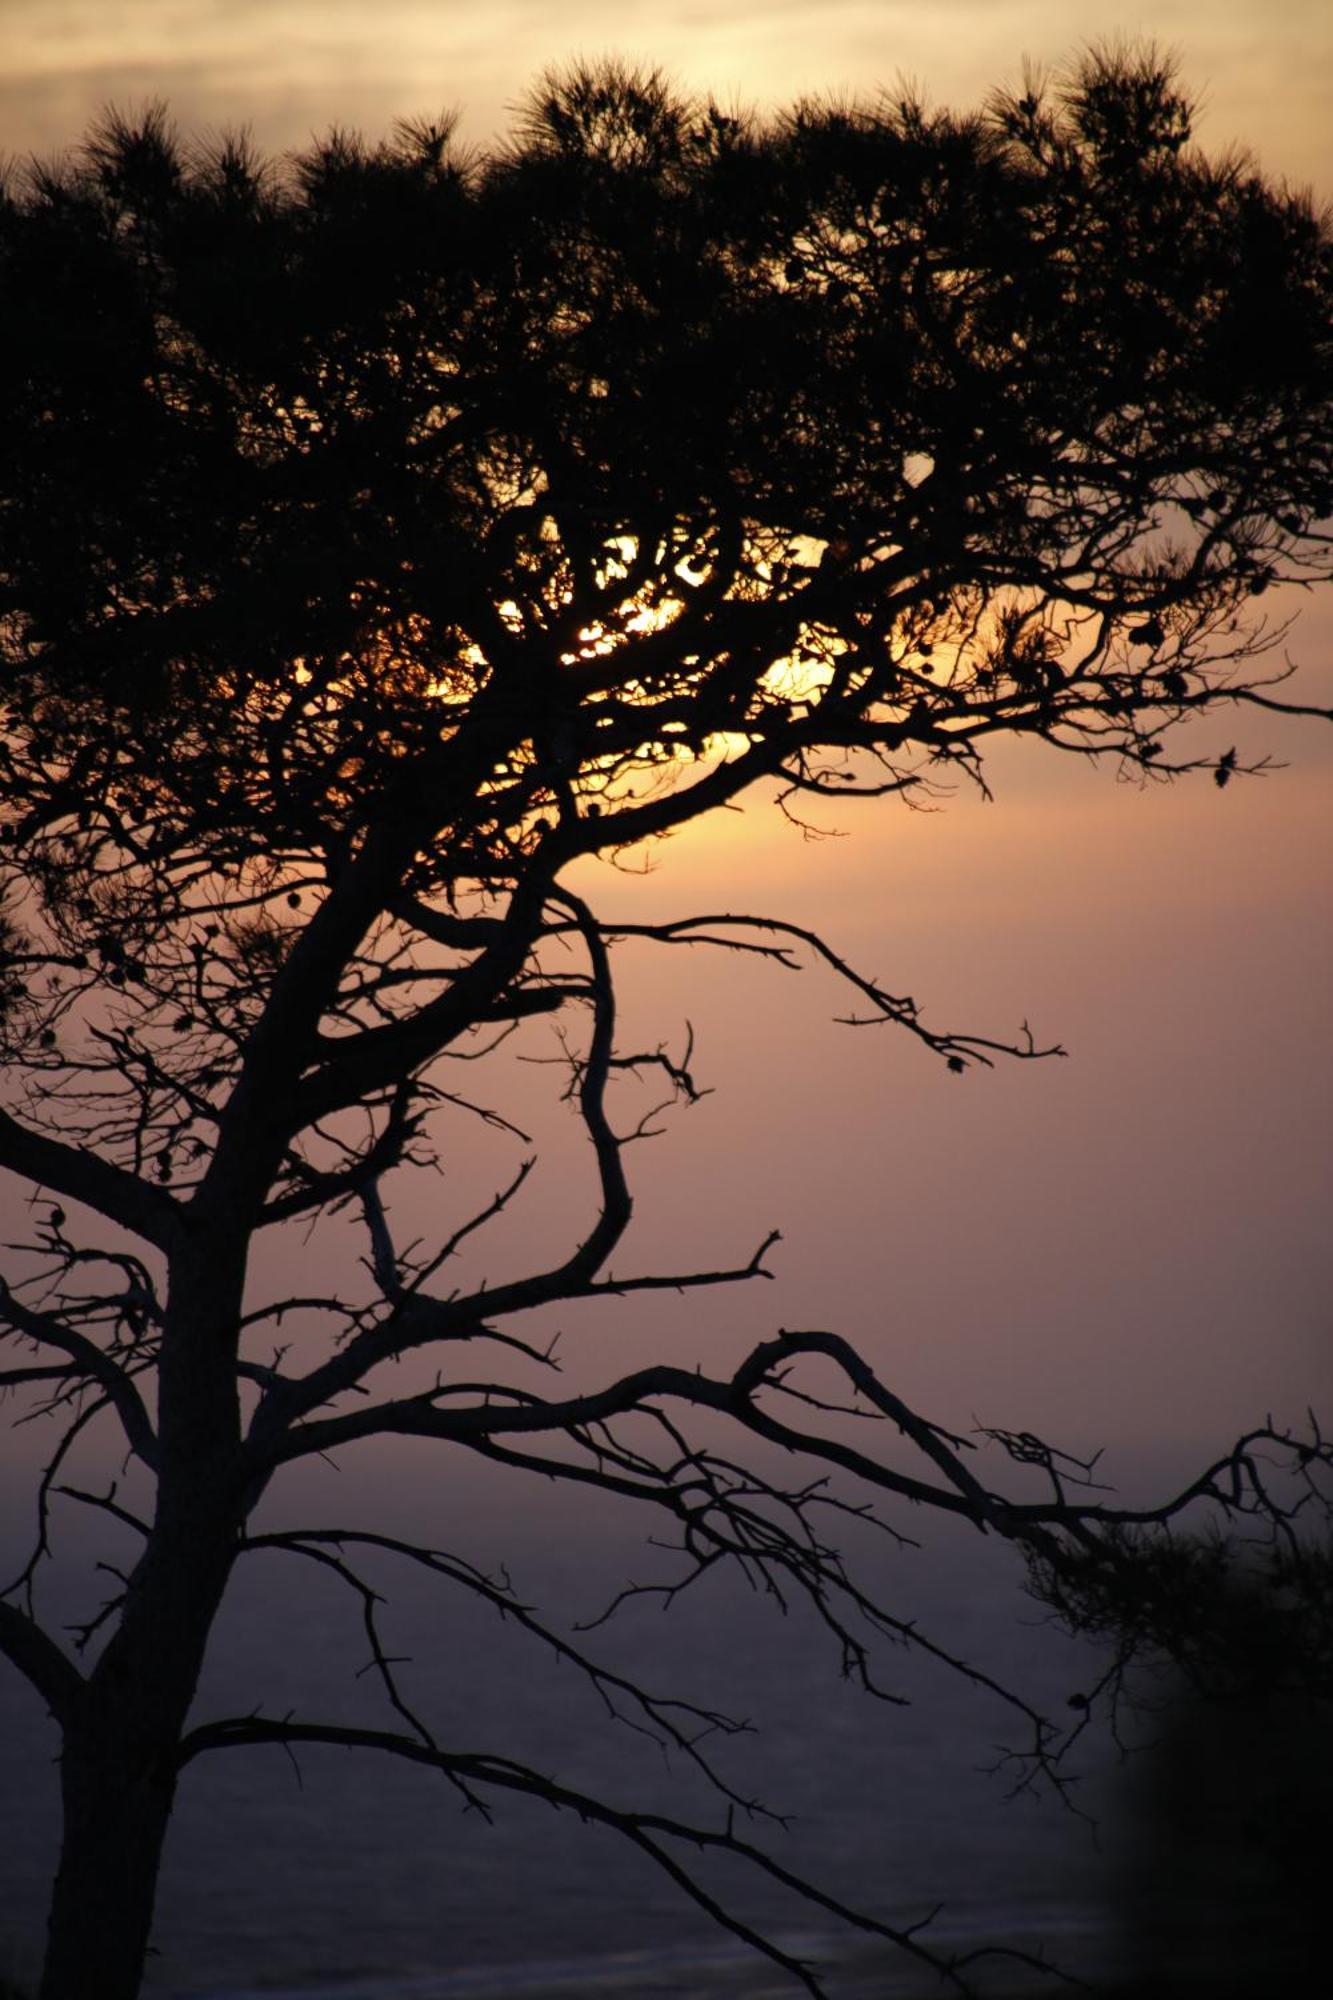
(1125, 1251)
(1128, 1247)
(287, 67)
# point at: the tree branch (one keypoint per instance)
(649, 1832)
(80, 1175)
(40, 1661)
(92, 1364)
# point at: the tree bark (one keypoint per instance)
(119, 1764)
(122, 1731)
(118, 1784)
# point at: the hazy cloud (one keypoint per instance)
(288, 67)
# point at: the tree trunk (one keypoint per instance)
(118, 1769)
(118, 1782)
(123, 1730)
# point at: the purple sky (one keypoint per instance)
(1129, 1245)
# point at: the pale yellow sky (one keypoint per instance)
(289, 67)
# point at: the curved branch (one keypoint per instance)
(667, 1720)
(39, 1660)
(484, 1426)
(80, 1175)
(419, 1320)
(900, 1009)
(617, 1203)
(90, 1362)
(649, 1832)
(383, 1055)
(480, 1423)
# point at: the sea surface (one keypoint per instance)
(339, 1876)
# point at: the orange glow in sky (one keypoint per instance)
(1131, 1244)
(290, 67)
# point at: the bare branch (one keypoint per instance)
(651, 1833)
(81, 1176)
(91, 1364)
(39, 1660)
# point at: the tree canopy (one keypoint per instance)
(384, 530)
